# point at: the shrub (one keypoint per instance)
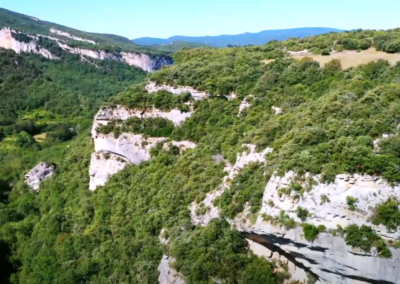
(324, 199)
(311, 232)
(302, 213)
(351, 202)
(326, 52)
(387, 214)
(286, 221)
(321, 228)
(364, 238)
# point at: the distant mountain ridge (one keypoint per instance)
(259, 38)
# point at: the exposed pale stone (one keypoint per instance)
(242, 159)
(152, 87)
(140, 60)
(8, 42)
(167, 274)
(182, 145)
(328, 256)
(245, 104)
(123, 113)
(38, 174)
(102, 166)
(297, 274)
(128, 148)
(66, 34)
(277, 110)
(370, 191)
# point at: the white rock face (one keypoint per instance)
(8, 42)
(152, 87)
(134, 148)
(66, 34)
(370, 191)
(244, 104)
(167, 274)
(102, 166)
(122, 113)
(297, 274)
(329, 257)
(38, 174)
(243, 159)
(113, 154)
(140, 60)
(182, 145)
(277, 110)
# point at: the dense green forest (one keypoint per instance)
(66, 234)
(44, 103)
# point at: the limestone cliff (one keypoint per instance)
(7, 41)
(112, 153)
(144, 61)
(328, 259)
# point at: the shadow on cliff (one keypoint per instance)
(273, 243)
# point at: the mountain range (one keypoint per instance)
(259, 38)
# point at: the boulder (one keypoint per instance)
(38, 174)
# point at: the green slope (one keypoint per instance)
(108, 42)
(30, 25)
(67, 234)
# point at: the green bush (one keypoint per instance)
(311, 232)
(364, 238)
(387, 214)
(302, 213)
(351, 202)
(285, 221)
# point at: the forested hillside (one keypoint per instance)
(44, 103)
(327, 123)
(73, 37)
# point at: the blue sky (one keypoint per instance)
(164, 18)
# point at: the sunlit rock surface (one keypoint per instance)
(38, 174)
(140, 60)
(112, 153)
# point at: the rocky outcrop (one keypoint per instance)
(242, 159)
(245, 104)
(7, 41)
(146, 62)
(168, 275)
(66, 34)
(123, 113)
(103, 165)
(112, 153)
(141, 60)
(328, 258)
(277, 110)
(297, 273)
(38, 174)
(153, 87)
(327, 203)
